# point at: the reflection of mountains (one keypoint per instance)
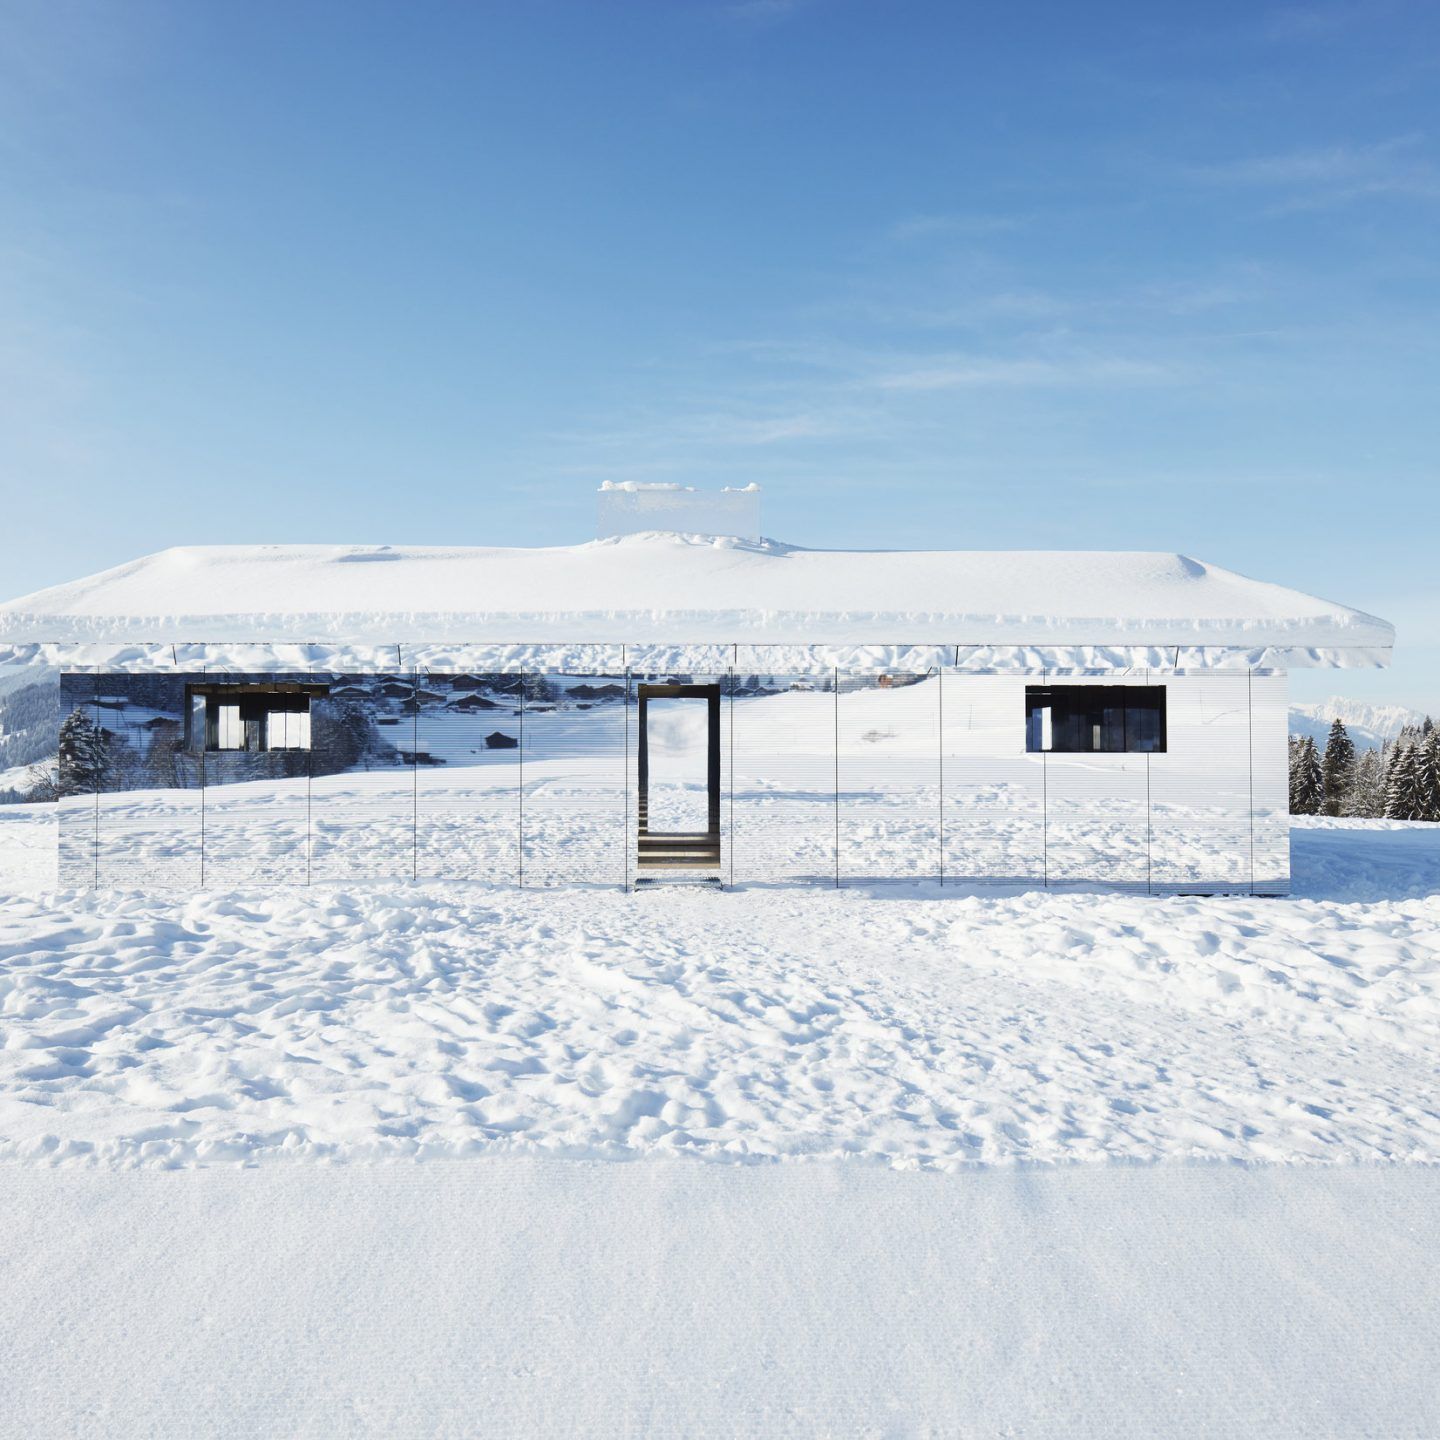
(29, 718)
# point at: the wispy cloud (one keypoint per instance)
(931, 227)
(1020, 313)
(990, 372)
(833, 398)
(1322, 22)
(1334, 175)
(724, 427)
(847, 368)
(764, 12)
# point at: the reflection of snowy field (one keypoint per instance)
(572, 821)
(904, 1025)
(814, 786)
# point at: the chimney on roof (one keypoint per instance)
(627, 507)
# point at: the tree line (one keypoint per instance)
(1399, 781)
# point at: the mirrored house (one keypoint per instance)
(665, 707)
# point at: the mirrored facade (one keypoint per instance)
(552, 777)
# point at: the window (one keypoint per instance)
(289, 729)
(1094, 719)
(229, 728)
(251, 717)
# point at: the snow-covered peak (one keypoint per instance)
(1368, 724)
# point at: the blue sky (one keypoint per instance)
(1035, 275)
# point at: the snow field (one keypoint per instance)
(899, 1025)
(518, 1297)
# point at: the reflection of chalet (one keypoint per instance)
(596, 692)
(420, 701)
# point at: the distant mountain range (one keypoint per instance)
(1367, 724)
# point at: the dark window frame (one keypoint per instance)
(256, 704)
(1088, 711)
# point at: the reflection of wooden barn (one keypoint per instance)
(596, 692)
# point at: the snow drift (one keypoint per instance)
(663, 587)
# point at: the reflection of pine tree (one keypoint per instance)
(538, 689)
(292, 763)
(1307, 784)
(342, 734)
(1338, 769)
(83, 756)
(162, 768)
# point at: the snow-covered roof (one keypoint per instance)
(690, 589)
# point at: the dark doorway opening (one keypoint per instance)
(678, 807)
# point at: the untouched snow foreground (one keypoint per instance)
(899, 1094)
(512, 1297)
(898, 1024)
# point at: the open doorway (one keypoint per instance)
(678, 759)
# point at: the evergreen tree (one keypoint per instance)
(83, 757)
(1365, 799)
(1401, 783)
(1338, 768)
(1427, 777)
(1307, 781)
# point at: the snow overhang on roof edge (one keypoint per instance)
(280, 657)
(679, 591)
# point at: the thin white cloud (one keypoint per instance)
(1322, 22)
(1333, 175)
(931, 227)
(988, 372)
(718, 428)
(764, 12)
